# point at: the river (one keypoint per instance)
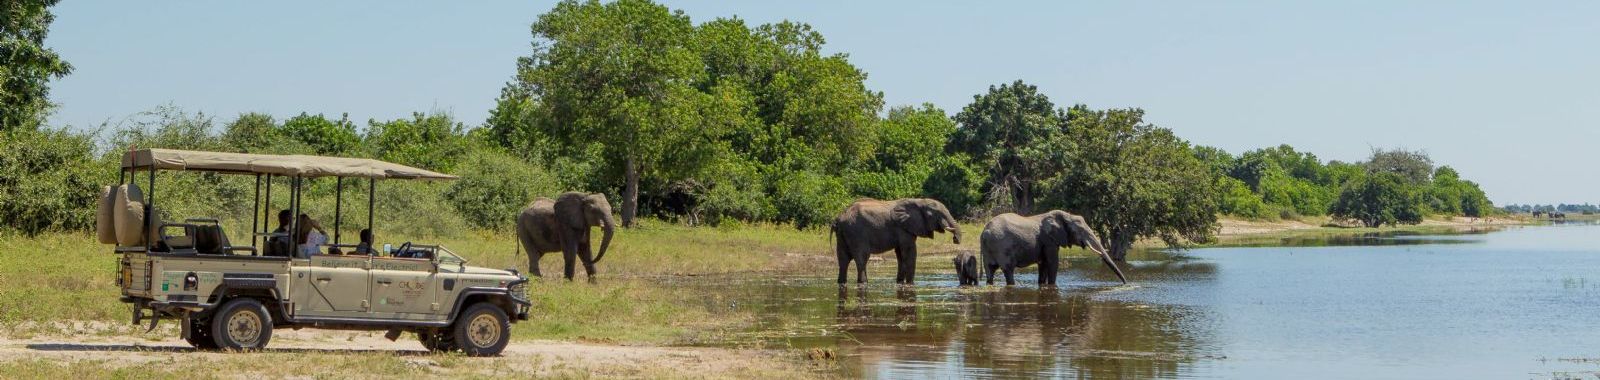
(1516, 303)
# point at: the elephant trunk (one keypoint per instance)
(953, 227)
(609, 227)
(1094, 245)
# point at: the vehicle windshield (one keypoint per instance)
(445, 256)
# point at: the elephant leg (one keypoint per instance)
(899, 265)
(909, 263)
(533, 263)
(841, 251)
(861, 268)
(1049, 261)
(588, 260)
(844, 269)
(1009, 270)
(991, 270)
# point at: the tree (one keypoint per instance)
(1380, 198)
(327, 137)
(1132, 180)
(1005, 130)
(26, 65)
(429, 141)
(616, 76)
(1414, 166)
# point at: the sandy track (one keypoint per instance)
(335, 348)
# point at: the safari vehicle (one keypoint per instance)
(232, 296)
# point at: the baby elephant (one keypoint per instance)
(967, 268)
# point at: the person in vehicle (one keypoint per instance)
(365, 246)
(278, 241)
(311, 236)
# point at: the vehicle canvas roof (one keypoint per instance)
(286, 165)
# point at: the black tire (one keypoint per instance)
(199, 334)
(437, 340)
(242, 324)
(483, 330)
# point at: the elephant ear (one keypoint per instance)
(1054, 231)
(570, 211)
(910, 217)
(1077, 230)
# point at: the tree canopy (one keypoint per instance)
(26, 65)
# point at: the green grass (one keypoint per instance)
(67, 277)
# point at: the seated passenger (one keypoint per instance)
(365, 246)
(311, 236)
(278, 242)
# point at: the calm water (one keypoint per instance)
(1515, 304)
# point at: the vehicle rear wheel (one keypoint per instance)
(199, 334)
(483, 330)
(242, 324)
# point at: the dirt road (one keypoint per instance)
(341, 354)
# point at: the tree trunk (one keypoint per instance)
(630, 194)
(1121, 243)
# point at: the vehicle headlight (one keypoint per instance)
(519, 290)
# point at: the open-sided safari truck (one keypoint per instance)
(230, 295)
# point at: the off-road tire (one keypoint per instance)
(241, 324)
(437, 340)
(483, 330)
(199, 335)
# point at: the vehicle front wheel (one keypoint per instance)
(242, 324)
(483, 330)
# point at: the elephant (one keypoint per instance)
(562, 224)
(1010, 241)
(872, 226)
(966, 268)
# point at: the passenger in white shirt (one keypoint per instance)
(311, 236)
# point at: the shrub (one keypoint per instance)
(809, 199)
(50, 180)
(495, 186)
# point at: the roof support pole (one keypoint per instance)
(255, 212)
(294, 216)
(338, 203)
(372, 188)
(267, 212)
(149, 208)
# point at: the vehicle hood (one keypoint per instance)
(486, 271)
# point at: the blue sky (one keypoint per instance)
(1506, 92)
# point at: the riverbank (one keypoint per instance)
(1236, 232)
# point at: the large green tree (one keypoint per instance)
(619, 77)
(26, 65)
(1131, 180)
(1383, 197)
(1005, 130)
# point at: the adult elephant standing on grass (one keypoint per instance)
(562, 224)
(872, 226)
(1011, 241)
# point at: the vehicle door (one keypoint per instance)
(405, 288)
(331, 285)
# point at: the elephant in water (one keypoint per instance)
(1010, 241)
(872, 226)
(966, 268)
(562, 224)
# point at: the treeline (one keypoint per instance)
(723, 122)
(1585, 209)
(1390, 187)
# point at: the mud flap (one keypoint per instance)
(393, 335)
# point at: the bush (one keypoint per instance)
(495, 186)
(809, 199)
(50, 180)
